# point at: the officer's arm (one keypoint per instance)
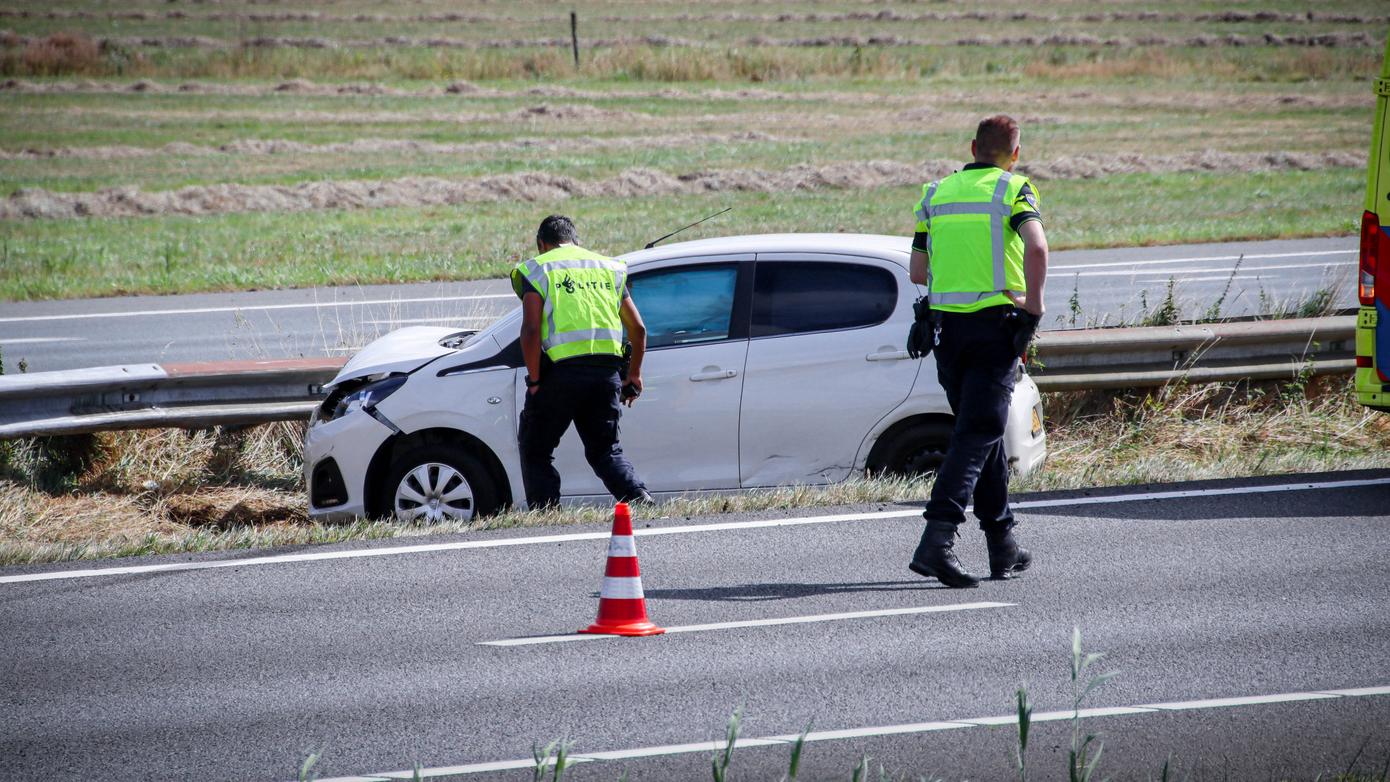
(1034, 264)
(637, 335)
(917, 266)
(531, 309)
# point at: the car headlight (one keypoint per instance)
(364, 397)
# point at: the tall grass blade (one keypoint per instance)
(1025, 719)
(720, 763)
(562, 759)
(541, 756)
(861, 770)
(1356, 757)
(1081, 764)
(306, 769)
(794, 765)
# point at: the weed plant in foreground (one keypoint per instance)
(161, 492)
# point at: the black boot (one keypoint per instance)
(1006, 557)
(935, 559)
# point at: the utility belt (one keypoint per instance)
(925, 332)
(995, 312)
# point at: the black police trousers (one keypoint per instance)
(587, 396)
(977, 365)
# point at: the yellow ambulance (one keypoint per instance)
(1373, 276)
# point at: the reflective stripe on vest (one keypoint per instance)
(998, 211)
(593, 327)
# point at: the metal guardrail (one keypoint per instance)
(150, 396)
(195, 396)
(1203, 353)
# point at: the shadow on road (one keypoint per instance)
(760, 592)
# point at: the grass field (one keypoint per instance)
(171, 147)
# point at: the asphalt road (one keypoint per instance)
(236, 667)
(1111, 286)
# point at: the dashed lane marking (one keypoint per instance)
(960, 723)
(37, 340)
(320, 556)
(786, 620)
(1202, 259)
(1245, 270)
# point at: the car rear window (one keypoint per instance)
(685, 305)
(791, 297)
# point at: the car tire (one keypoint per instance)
(917, 449)
(435, 483)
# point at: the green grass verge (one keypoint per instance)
(104, 257)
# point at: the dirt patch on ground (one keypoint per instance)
(225, 508)
(387, 146)
(565, 111)
(1080, 98)
(1091, 166)
(637, 182)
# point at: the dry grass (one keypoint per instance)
(133, 493)
(1195, 432)
(59, 54)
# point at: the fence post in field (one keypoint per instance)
(574, 36)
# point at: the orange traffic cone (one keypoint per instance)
(622, 610)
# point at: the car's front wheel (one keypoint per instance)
(435, 483)
(917, 449)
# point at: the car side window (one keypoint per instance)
(686, 305)
(791, 297)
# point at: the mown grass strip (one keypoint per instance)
(106, 257)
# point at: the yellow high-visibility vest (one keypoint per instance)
(975, 255)
(582, 292)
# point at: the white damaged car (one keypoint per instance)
(771, 361)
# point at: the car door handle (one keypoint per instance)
(887, 355)
(714, 374)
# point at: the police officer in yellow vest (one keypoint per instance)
(575, 306)
(980, 249)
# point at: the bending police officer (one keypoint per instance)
(981, 251)
(575, 306)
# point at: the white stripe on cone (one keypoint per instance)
(622, 546)
(615, 588)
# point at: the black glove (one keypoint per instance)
(920, 336)
(919, 339)
(1024, 326)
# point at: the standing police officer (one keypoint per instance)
(575, 306)
(981, 252)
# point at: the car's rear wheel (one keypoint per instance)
(435, 483)
(917, 449)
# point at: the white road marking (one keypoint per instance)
(886, 730)
(786, 620)
(1209, 270)
(1213, 278)
(1203, 259)
(256, 308)
(34, 340)
(320, 556)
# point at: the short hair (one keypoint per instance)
(996, 137)
(557, 230)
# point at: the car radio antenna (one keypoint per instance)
(655, 242)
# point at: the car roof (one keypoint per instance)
(895, 248)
